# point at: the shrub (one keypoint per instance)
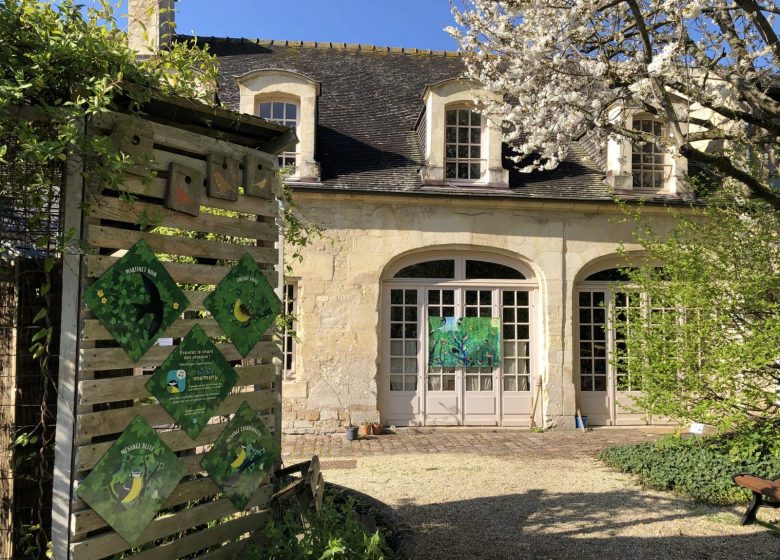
(701, 469)
(336, 532)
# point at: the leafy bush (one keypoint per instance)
(336, 532)
(702, 469)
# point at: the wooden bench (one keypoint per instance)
(762, 489)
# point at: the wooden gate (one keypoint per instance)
(101, 390)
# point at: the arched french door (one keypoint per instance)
(486, 301)
(605, 387)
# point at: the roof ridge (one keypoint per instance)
(326, 45)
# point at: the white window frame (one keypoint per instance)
(289, 159)
(457, 160)
(640, 169)
(289, 344)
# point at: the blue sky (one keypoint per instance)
(396, 23)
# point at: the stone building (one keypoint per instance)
(425, 216)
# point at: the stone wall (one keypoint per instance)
(337, 363)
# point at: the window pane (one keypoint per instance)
(450, 151)
(509, 296)
(475, 135)
(474, 171)
(524, 384)
(396, 330)
(448, 382)
(452, 117)
(292, 111)
(510, 383)
(486, 383)
(411, 382)
(586, 383)
(277, 110)
(463, 135)
(451, 171)
(600, 383)
(509, 349)
(449, 297)
(434, 383)
(265, 110)
(428, 269)
(411, 296)
(463, 151)
(410, 313)
(474, 152)
(410, 347)
(509, 315)
(463, 171)
(396, 383)
(463, 116)
(451, 135)
(472, 383)
(396, 348)
(396, 365)
(410, 331)
(396, 313)
(410, 365)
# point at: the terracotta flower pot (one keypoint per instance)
(376, 428)
(364, 430)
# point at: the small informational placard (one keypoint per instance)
(696, 428)
(242, 456)
(244, 305)
(165, 341)
(192, 382)
(130, 483)
(136, 300)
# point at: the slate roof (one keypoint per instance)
(370, 100)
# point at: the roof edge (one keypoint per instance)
(322, 45)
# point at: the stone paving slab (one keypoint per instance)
(483, 441)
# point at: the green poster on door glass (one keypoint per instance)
(244, 453)
(136, 300)
(192, 382)
(463, 342)
(244, 305)
(130, 483)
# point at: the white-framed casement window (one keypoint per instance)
(463, 152)
(286, 113)
(650, 168)
(289, 345)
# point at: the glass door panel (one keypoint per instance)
(479, 400)
(442, 396)
(403, 358)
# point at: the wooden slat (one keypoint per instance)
(94, 329)
(107, 544)
(156, 187)
(206, 538)
(95, 391)
(136, 212)
(104, 359)
(180, 272)
(113, 238)
(87, 456)
(188, 491)
(94, 424)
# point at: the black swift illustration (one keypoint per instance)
(153, 307)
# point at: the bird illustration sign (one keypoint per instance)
(192, 382)
(130, 483)
(243, 455)
(136, 300)
(244, 305)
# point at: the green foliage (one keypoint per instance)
(336, 532)
(706, 341)
(466, 341)
(701, 469)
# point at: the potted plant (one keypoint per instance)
(365, 428)
(376, 428)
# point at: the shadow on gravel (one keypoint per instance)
(540, 525)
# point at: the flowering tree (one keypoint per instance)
(565, 68)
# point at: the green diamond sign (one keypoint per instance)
(136, 300)
(192, 382)
(242, 456)
(130, 483)
(244, 305)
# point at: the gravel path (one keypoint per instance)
(466, 506)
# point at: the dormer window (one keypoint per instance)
(290, 99)
(649, 169)
(459, 145)
(463, 144)
(285, 113)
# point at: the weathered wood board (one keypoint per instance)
(104, 389)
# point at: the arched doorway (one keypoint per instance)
(423, 293)
(604, 387)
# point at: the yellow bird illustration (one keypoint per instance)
(241, 312)
(135, 487)
(239, 460)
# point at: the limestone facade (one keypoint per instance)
(339, 374)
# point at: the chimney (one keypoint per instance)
(150, 25)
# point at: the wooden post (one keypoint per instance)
(68, 366)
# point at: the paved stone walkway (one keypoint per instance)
(483, 441)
